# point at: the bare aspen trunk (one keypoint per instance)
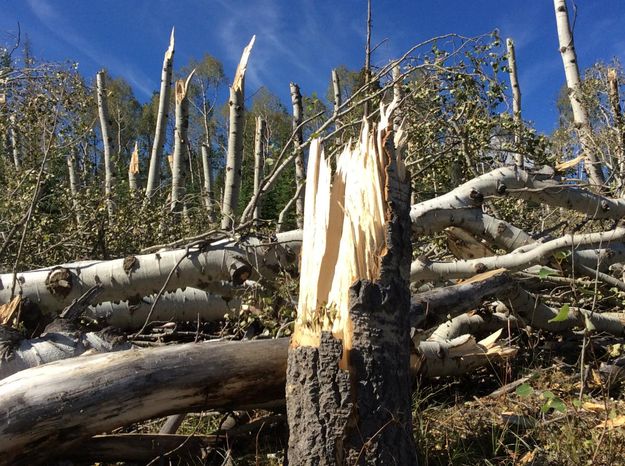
(232, 183)
(398, 96)
(133, 171)
(15, 143)
(296, 101)
(592, 165)
(73, 184)
(619, 123)
(259, 159)
(108, 142)
(209, 194)
(180, 154)
(516, 100)
(154, 171)
(348, 380)
(336, 86)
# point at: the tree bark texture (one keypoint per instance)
(134, 277)
(592, 164)
(209, 194)
(259, 159)
(108, 142)
(181, 153)
(154, 172)
(14, 140)
(516, 100)
(348, 380)
(619, 126)
(298, 140)
(234, 159)
(186, 305)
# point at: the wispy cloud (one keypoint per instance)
(45, 12)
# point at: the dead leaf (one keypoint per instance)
(618, 421)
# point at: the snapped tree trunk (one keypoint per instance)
(180, 155)
(592, 164)
(133, 171)
(259, 160)
(296, 101)
(348, 381)
(516, 101)
(232, 183)
(154, 172)
(108, 142)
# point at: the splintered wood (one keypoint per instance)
(345, 221)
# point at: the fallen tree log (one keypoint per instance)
(522, 184)
(133, 277)
(48, 409)
(190, 304)
(524, 257)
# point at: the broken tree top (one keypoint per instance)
(345, 221)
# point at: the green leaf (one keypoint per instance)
(524, 390)
(562, 315)
(558, 405)
(548, 395)
(544, 273)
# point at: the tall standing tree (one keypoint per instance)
(592, 164)
(232, 184)
(161, 121)
(108, 141)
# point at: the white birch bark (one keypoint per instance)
(527, 256)
(14, 140)
(232, 183)
(336, 86)
(512, 182)
(259, 160)
(54, 346)
(186, 305)
(592, 164)
(298, 139)
(108, 141)
(180, 154)
(54, 288)
(209, 194)
(154, 171)
(516, 100)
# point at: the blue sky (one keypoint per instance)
(302, 40)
